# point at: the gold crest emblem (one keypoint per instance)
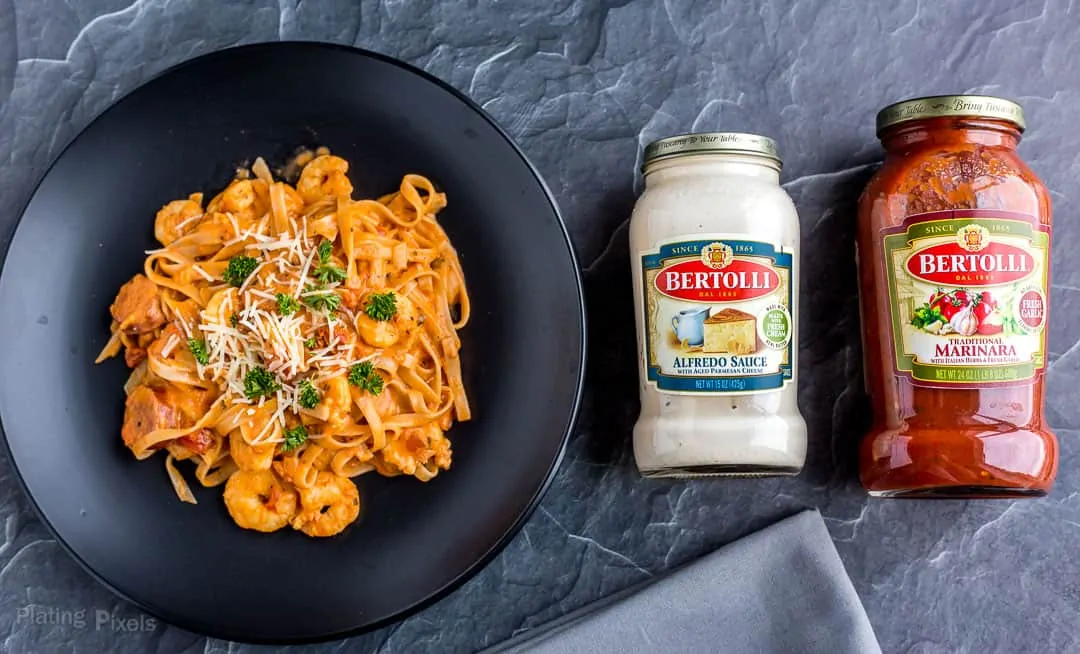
(973, 237)
(717, 255)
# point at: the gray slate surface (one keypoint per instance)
(581, 85)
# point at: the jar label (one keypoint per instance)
(968, 297)
(717, 315)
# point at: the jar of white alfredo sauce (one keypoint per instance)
(714, 248)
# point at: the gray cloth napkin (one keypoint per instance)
(782, 589)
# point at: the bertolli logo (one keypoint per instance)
(717, 276)
(972, 259)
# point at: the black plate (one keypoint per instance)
(83, 234)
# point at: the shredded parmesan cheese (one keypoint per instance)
(302, 279)
(169, 346)
(187, 221)
(205, 275)
(235, 225)
(262, 337)
(253, 276)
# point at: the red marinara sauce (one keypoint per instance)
(954, 273)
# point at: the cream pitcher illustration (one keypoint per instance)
(689, 325)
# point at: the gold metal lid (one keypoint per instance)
(939, 106)
(685, 145)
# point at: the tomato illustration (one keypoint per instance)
(947, 304)
(991, 324)
(963, 298)
(985, 305)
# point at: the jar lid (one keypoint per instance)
(685, 145)
(939, 106)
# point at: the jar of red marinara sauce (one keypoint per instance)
(954, 269)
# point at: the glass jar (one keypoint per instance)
(953, 247)
(714, 244)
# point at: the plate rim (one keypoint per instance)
(549, 476)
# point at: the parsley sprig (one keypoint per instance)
(309, 395)
(363, 376)
(311, 343)
(323, 300)
(259, 382)
(239, 269)
(325, 272)
(381, 306)
(294, 438)
(329, 274)
(286, 304)
(198, 350)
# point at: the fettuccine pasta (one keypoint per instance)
(287, 339)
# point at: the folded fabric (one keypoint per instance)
(782, 589)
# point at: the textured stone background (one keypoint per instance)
(582, 85)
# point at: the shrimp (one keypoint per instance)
(385, 333)
(418, 447)
(258, 500)
(257, 423)
(252, 458)
(238, 199)
(174, 219)
(338, 401)
(325, 175)
(328, 506)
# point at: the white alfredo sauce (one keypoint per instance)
(714, 248)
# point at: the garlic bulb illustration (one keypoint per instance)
(965, 322)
